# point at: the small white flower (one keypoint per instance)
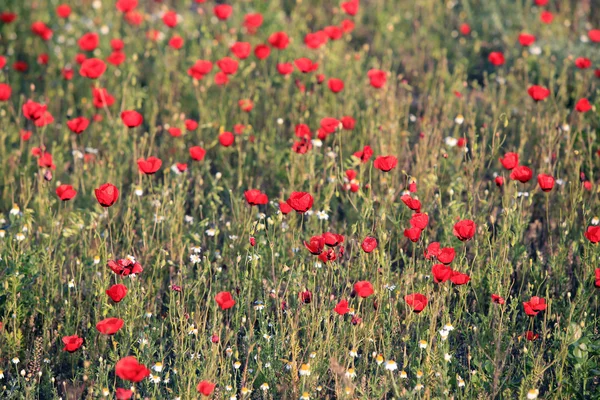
(450, 141)
(391, 365)
(322, 215)
(211, 232)
(279, 121)
(533, 394)
(444, 334)
(154, 378)
(459, 119)
(158, 366)
(15, 210)
(422, 344)
(188, 219)
(264, 387)
(139, 191)
(105, 392)
(15, 361)
(317, 142)
(535, 50)
(447, 357)
(19, 236)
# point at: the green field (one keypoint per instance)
(299, 199)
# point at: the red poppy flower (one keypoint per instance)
(131, 118)
(126, 5)
(109, 326)
(150, 165)
(335, 85)
(377, 78)
(583, 105)
(342, 307)
(117, 292)
(199, 69)
(465, 29)
(385, 163)
(526, 39)
(305, 296)
(496, 58)
(597, 282)
(419, 220)
(414, 234)
(5, 91)
(284, 207)
(529, 335)
(583, 63)
(125, 267)
(348, 123)
(65, 192)
(593, 234)
(441, 273)
(412, 203)
(222, 11)
(78, 125)
(499, 181)
(510, 160)
(7, 17)
(498, 299)
(253, 21)
(116, 58)
(176, 42)
(333, 239)
(129, 369)
(347, 25)
(228, 65)
(262, 51)
(170, 19)
(538, 93)
(305, 65)
(521, 173)
(40, 29)
(107, 194)
(546, 17)
(63, 11)
(72, 343)
(205, 388)
(333, 32)
(315, 245)
(241, 49)
(181, 167)
(315, 40)
(546, 182)
(255, 197)
(416, 301)
(92, 68)
(279, 40)
(350, 7)
(285, 68)
(329, 125)
(464, 229)
(458, 278)
(224, 300)
(365, 154)
(301, 202)
(534, 306)
(101, 98)
(190, 124)
(363, 289)
(89, 41)
(123, 394)
(594, 35)
(45, 161)
(369, 244)
(197, 153)
(226, 139)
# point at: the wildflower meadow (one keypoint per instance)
(299, 199)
